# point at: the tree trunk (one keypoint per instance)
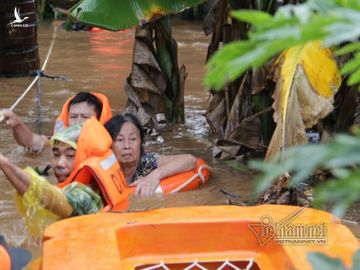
(155, 87)
(19, 54)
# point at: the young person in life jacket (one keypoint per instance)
(84, 166)
(76, 110)
(143, 170)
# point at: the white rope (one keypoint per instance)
(191, 179)
(195, 264)
(251, 262)
(228, 263)
(50, 49)
(198, 265)
(161, 264)
(37, 76)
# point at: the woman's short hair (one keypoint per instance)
(115, 124)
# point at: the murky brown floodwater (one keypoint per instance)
(101, 61)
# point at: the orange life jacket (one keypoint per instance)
(94, 161)
(5, 260)
(63, 119)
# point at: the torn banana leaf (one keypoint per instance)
(307, 79)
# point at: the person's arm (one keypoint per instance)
(52, 198)
(16, 176)
(167, 166)
(22, 133)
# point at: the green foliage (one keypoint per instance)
(339, 157)
(336, 23)
(319, 260)
(116, 15)
(333, 21)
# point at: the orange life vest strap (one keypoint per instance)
(108, 175)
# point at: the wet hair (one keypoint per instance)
(115, 124)
(90, 99)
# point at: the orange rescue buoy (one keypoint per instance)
(184, 181)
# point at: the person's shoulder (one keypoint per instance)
(148, 161)
(150, 155)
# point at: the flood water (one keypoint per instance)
(101, 62)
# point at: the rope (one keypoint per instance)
(37, 76)
(248, 267)
(38, 99)
(160, 265)
(228, 263)
(191, 179)
(196, 265)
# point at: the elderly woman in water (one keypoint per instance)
(143, 170)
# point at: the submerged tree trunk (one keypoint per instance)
(155, 87)
(18, 38)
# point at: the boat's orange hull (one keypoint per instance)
(178, 237)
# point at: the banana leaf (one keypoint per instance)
(307, 79)
(119, 14)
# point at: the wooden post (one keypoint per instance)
(19, 54)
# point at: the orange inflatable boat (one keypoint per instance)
(208, 237)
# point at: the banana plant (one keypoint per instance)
(292, 26)
(155, 87)
(117, 15)
(307, 79)
(288, 33)
(231, 112)
(335, 23)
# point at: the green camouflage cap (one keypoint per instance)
(68, 135)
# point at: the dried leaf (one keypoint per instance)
(213, 17)
(248, 133)
(241, 106)
(216, 113)
(348, 108)
(304, 94)
(229, 151)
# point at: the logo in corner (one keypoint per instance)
(18, 22)
(286, 232)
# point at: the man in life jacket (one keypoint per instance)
(12, 258)
(76, 110)
(84, 166)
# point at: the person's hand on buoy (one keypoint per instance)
(147, 185)
(11, 118)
